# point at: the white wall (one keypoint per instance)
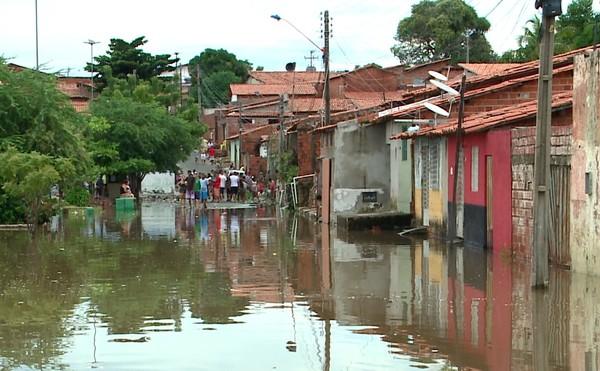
(159, 183)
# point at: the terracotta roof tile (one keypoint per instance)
(272, 89)
(491, 119)
(412, 108)
(484, 69)
(286, 78)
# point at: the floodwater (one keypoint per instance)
(166, 288)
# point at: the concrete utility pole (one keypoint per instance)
(37, 55)
(326, 92)
(91, 43)
(240, 132)
(282, 101)
(199, 93)
(541, 200)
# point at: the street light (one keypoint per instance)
(277, 17)
(325, 51)
(91, 43)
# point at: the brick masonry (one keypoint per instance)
(523, 154)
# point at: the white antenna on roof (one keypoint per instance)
(437, 82)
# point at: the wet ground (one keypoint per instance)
(169, 288)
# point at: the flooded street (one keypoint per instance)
(167, 288)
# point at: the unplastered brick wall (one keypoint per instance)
(523, 155)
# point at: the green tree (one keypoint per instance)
(127, 58)
(39, 131)
(131, 133)
(529, 43)
(574, 29)
(218, 69)
(439, 29)
(36, 116)
(29, 177)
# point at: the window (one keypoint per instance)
(475, 169)
(404, 149)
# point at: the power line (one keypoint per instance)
(494, 8)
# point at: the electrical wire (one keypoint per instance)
(494, 8)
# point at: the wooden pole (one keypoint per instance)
(541, 199)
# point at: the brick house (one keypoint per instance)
(494, 204)
(248, 149)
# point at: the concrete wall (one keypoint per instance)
(159, 183)
(361, 163)
(234, 152)
(400, 169)
(585, 207)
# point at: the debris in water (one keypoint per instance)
(142, 339)
(291, 346)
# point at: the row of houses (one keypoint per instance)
(366, 160)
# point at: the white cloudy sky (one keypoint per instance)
(363, 30)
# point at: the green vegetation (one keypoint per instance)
(131, 132)
(127, 58)
(41, 145)
(438, 29)
(218, 69)
(574, 29)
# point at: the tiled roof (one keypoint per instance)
(286, 78)
(491, 119)
(443, 100)
(272, 89)
(484, 69)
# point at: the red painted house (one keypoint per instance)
(486, 198)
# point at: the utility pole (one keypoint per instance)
(240, 132)
(177, 64)
(91, 43)
(199, 93)
(282, 101)
(541, 200)
(458, 157)
(37, 55)
(326, 92)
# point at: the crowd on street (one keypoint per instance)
(229, 185)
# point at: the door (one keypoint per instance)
(489, 200)
(560, 200)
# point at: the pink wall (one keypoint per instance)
(495, 143)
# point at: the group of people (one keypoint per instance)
(233, 185)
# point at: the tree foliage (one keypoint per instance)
(127, 58)
(132, 133)
(218, 69)
(438, 29)
(574, 29)
(29, 177)
(36, 116)
(41, 144)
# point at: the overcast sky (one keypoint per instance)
(363, 30)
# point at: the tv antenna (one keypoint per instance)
(311, 58)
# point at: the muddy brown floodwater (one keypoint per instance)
(167, 288)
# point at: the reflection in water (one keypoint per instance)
(179, 288)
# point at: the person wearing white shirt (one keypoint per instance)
(235, 184)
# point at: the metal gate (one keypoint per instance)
(560, 194)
